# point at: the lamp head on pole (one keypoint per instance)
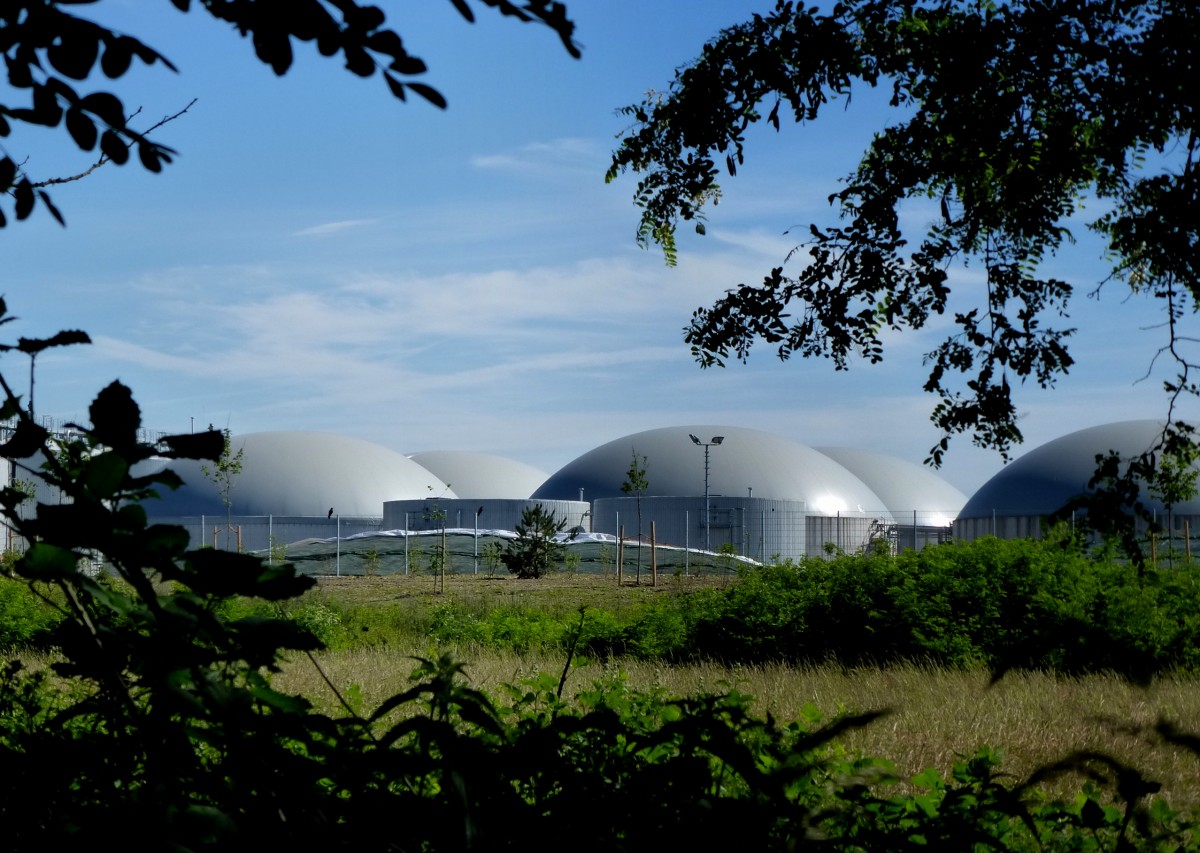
(694, 439)
(717, 439)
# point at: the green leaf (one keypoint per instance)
(75, 52)
(429, 93)
(396, 87)
(152, 156)
(209, 444)
(8, 173)
(103, 474)
(165, 539)
(106, 106)
(114, 148)
(48, 562)
(117, 56)
(224, 573)
(25, 198)
(45, 198)
(358, 61)
(116, 418)
(930, 779)
(1091, 814)
(26, 440)
(274, 48)
(69, 337)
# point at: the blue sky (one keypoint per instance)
(323, 257)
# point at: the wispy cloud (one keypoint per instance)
(327, 228)
(557, 154)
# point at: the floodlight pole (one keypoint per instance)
(716, 439)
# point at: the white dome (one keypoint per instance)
(1045, 478)
(481, 475)
(302, 473)
(746, 459)
(905, 487)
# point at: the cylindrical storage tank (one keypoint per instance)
(758, 528)
(458, 514)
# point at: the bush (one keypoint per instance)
(26, 619)
(535, 550)
(992, 603)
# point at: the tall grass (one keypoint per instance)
(935, 717)
(937, 713)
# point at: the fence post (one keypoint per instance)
(620, 552)
(687, 543)
(653, 554)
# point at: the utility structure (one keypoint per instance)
(716, 439)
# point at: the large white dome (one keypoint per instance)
(1045, 478)
(303, 473)
(746, 460)
(905, 487)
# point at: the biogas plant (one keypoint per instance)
(705, 490)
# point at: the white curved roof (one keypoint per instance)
(772, 466)
(481, 475)
(904, 486)
(1045, 478)
(303, 473)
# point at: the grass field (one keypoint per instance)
(934, 716)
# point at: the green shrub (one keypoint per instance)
(322, 621)
(451, 624)
(992, 603)
(26, 619)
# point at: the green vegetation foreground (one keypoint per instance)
(992, 604)
(160, 720)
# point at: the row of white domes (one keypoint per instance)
(308, 473)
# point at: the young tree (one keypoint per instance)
(45, 47)
(536, 549)
(222, 473)
(636, 484)
(1008, 115)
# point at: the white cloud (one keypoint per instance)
(571, 153)
(328, 228)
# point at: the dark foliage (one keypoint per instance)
(991, 603)
(536, 548)
(49, 52)
(1008, 117)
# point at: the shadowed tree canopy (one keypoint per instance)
(51, 57)
(1007, 116)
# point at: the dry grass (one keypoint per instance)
(935, 716)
